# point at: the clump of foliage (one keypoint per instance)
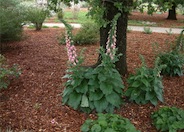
(146, 85)
(87, 34)
(168, 119)
(108, 123)
(147, 30)
(180, 42)
(94, 89)
(174, 62)
(34, 14)
(6, 73)
(11, 20)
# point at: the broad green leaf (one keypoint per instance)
(100, 105)
(84, 102)
(109, 130)
(136, 84)
(154, 101)
(74, 100)
(97, 95)
(106, 88)
(160, 96)
(114, 99)
(149, 95)
(96, 128)
(83, 87)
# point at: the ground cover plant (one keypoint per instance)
(168, 119)
(33, 102)
(108, 123)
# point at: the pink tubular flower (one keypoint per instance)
(71, 51)
(111, 45)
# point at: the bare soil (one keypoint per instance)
(33, 102)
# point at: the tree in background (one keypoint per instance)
(163, 5)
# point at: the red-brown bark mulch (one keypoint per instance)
(33, 102)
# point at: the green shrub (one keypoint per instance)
(108, 123)
(168, 119)
(6, 73)
(34, 14)
(88, 34)
(11, 21)
(147, 30)
(146, 85)
(174, 62)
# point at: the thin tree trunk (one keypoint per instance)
(38, 26)
(172, 13)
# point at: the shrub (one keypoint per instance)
(146, 85)
(147, 30)
(108, 123)
(168, 119)
(34, 14)
(6, 73)
(88, 34)
(174, 62)
(11, 21)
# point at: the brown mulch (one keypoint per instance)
(32, 102)
(160, 20)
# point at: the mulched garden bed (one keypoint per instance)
(33, 102)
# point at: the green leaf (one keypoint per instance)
(154, 101)
(82, 87)
(146, 83)
(149, 95)
(160, 97)
(85, 102)
(136, 84)
(109, 130)
(106, 88)
(97, 95)
(114, 99)
(100, 105)
(96, 128)
(74, 100)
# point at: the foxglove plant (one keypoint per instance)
(97, 89)
(71, 50)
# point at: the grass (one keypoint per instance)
(81, 17)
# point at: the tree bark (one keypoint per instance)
(38, 26)
(172, 13)
(121, 65)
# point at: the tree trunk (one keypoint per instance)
(121, 65)
(38, 26)
(172, 13)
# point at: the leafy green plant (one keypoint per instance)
(6, 73)
(147, 30)
(108, 123)
(168, 119)
(169, 32)
(11, 20)
(146, 85)
(94, 89)
(88, 34)
(174, 62)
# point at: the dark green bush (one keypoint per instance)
(174, 62)
(11, 20)
(146, 85)
(88, 34)
(168, 119)
(6, 72)
(108, 123)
